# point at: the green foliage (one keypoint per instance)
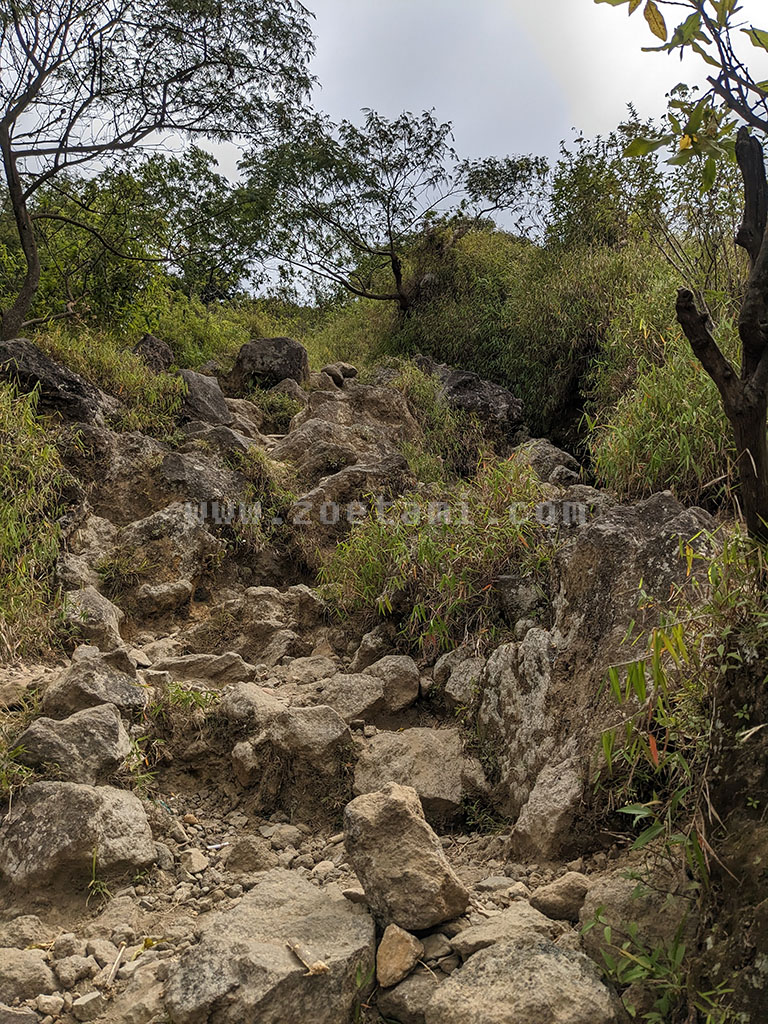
(121, 572)
(278, 407)
(452, 442)
(431, 561)
(658, 764)
(152, 401)
(667, 428)
(31, 485)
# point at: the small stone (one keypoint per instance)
(323, 869)
(190, 819)
(563, 898)
(17, 1015)
(251, 853)
(436, 946)
(72, 969)
(194, 861)
(103, 951)
(449, 964)
(50, 1005)
(495, 883)
(398, 954)
(67, 944)
(90, 1006)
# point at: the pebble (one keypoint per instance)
(89, 1006)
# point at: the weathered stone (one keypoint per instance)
(400, 677)
(54, 828)
(399, 860)
(59, 389)
(90, 615)
(528, 983)
(156, 353)
(463, 683)
(218, 668)
(563, 898)
(161, 598)
(171, 544)
(359, 696)
(398, 954)
(657, 911)
(71, 969)
(25, 930)
(89, 681)
(545, 459)
(373, 646)
(251, 854)
(518, 923)
(194, 861)
(265, 362)
(17, 1015)
(545, 823)
(89, 1006)
(243, 970)
(86, 747)
(430, 760)
(247, 418)
(204, 399)
(24, 974)
(407, 1002)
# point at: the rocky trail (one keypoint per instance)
(240, 808)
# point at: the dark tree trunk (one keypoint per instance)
(744, 394)
(14, 317)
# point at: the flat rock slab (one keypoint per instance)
(242, 969)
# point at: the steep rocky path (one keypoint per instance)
(241, 809)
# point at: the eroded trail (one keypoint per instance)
(238, 798)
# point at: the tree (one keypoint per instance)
(84, 79)
(710, 31)
(347, 202)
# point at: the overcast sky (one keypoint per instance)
(513, 76)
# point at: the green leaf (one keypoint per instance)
(655, 20)
(709, 175)
(758, 37)
(642, 147)
(648, 835)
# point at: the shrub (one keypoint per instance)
(278, 408)
(32, 481)
(433, 572)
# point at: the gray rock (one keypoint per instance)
(17, 1015)
(25, 930)
(54, 827)
(156, 353)
(265, 362)
(218, 668)
(90, 681)
(652, 905)
(545, 823)
(463, 684)
(563, 898)
(161, 598)
(518, 923)
(467, 391)
(251, 854)
(60, 390)
(358, 696)
(86, 747)
(89, 1006)
(247, 418)
(71, 969)
(24, 974)
(373, 646)
(545, 459)
(171, 543)
(90, 615)
(242, 969)
(430, 760)
(204, 400)
(400, 861)
(528, 983)
(400, 676)
(408, 1001)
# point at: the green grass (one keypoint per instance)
(31, 485)
(278, 409)
(434, 578)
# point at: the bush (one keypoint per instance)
(434, 573)
(31, 484)
(278, 408)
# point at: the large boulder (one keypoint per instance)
(529, 983)
(265, 362)
(490, 402)
(432, 761)
(86, 747)
(55, 827)
(91, 680)
(60, 390)
(24, 974)
(400, 862)
(400, 676)
(204, 399)
(246, 967)
(384, 409)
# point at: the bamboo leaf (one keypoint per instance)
(655, 20)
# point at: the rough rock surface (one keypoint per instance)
(243, 969)
(267, 361)
(528, 983)
(54, 828)
(86, 747)
(204, 399)
(518, 923)
(91, 680)
(399, 860)
(398, 954)
(563, 898)
(156, 353)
